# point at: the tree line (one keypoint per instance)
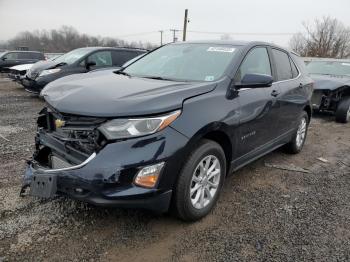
(65, 39)
(326, 37)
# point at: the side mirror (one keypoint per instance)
(90, 64)
(4, 58)
(255, 81)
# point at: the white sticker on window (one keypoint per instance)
(346, 64)
(221, 49)
(209, 78)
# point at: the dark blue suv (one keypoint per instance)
(165, 131)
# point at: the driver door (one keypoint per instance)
(101, 59)
(258, 106)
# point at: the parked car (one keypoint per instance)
(166, 130)
(80, 60)
(18, 72)
(332, 87)
(13, 58)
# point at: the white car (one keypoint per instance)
(18, 72)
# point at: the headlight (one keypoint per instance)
(127, 128)
(49, 71)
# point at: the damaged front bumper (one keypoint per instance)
(106, 177)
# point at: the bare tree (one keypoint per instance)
(327, 37)
(65, 39)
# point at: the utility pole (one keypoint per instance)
(161, 37)
(185, 25)
(174, 34)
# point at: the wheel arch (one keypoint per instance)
(308, 110)
(218, 133)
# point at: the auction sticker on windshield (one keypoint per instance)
(221, 49)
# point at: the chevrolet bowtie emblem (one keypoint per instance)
(59, 123)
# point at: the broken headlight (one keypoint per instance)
(134, 127)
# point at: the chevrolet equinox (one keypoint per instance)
(165, 131)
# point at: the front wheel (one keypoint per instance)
(200, 181)
(299, 137)
(342, 115)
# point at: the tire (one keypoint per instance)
(342, 115)
(297, 142)
(184, 203)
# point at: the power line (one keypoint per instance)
(137, 34)
(238, 33)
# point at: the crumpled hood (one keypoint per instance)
(40, 66)
(106, 94)
(325, 82)
(21, 67)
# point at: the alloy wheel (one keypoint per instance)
(301, 133)
(205, 181)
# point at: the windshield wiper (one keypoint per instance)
(121, 72)
(60, 64)
(158, 78)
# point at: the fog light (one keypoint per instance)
(148, 176)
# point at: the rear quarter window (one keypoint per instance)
(300, 63)
(283, 66)
(120, 57)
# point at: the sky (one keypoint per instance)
(264, 20)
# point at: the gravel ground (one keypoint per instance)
(264, 213)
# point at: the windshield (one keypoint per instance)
(184, 62)
(329, 68)
(72, 56)
(127, 63)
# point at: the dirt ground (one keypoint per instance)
(264, 213)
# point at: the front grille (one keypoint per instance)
(78, 132)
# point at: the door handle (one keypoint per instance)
(275, 93)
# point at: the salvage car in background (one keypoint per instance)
(80, 60)
(332, 87)
(13, 58)
(18, 72)
(167, 129)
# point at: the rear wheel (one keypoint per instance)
(342, 115)
(200, 181)
(299, 137)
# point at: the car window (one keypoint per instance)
(27, 55)
(11, 56)
(38, 56)
(185, 62)
(295, 71)
(284, 70)
(121, 57)
(73, 56)
(256, 62)
(101, 58)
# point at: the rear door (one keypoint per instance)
(258, 108)
(27, 58)
(292, 98)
